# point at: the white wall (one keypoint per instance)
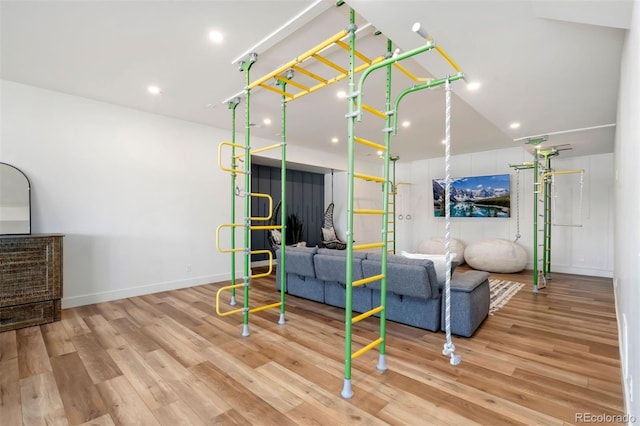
(586, 250)
(137, 195)
(627, 215)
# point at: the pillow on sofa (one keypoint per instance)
(439, 263)
(329, 234)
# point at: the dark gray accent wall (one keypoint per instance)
(305, 198)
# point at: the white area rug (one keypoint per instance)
(501, 291)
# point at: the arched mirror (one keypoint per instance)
(15, 201)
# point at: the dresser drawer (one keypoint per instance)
(19, 316)
(30, 269)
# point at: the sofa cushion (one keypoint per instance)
(404, 279)
(343, 253)
(396, 259)
(300, 260)
(334, 268)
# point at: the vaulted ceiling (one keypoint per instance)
(553, 67)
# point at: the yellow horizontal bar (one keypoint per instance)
(346, 47)
(265, 307)
(367, 246)
(331, 40)
(374, 111)
(227, 169)
(226, 225)
(367, 280)
(367, 348)
(310, 74)
(264, 274)
(367, 211)
(368, 142)
(448, 58)
(229, 287)
(264, 227)
(366, 314)
(268, 197)
(293, 83)
(276, 90)
(368, 177)
(330, 64)
(561, 172)
(337, 78)
(411, 75)
(265, 148)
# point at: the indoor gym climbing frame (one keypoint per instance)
(543, 175)
(355, 111)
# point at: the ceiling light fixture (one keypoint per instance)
(267, 121)
(473, 86)
(216, 37)
(334, 140)
(154, 90)
(341, 94)
(444, 141)
(406, 123)
(514, 125)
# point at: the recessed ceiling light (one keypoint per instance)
(514, 125)
(406, 123)
(334, 140)
(444, 141)
(474, 85)
(216, 37)
(267, 121)
(154, 90)
(341, 94)
(379, 153)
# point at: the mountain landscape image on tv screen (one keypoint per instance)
(475, 196)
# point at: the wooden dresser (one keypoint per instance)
(30, 280)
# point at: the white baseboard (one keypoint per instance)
(562, 269)
(106, 296)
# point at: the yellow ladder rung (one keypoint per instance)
(369, 143)
(293, 83)
(368, 177)
(262, 227)
(367, 211)
(264, 274)
(268, 197)
(367, 348)
(374, 111)
(390, 232)
(448, 58)
(366, 314)
(410, 74)
(276, 90)
(310, 74)
(265, 307)
(346, 47)
(367, 280)
(367, 246)
(391, 241)
(330, 64)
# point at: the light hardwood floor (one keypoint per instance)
(168, 359)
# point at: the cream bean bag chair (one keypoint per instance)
(496, 255)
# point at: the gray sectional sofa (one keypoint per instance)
(413, 294)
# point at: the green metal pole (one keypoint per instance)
(388, 61)
(232, 106)
(283, 205)
(416, 88)
(536, 190)
(382, 362)
(394, 192)
(547, 219)
(347, 391)
(246, 66)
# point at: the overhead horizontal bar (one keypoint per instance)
(369, 143)
(374, 111)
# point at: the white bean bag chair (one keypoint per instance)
(496, 255)
(436, 246)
